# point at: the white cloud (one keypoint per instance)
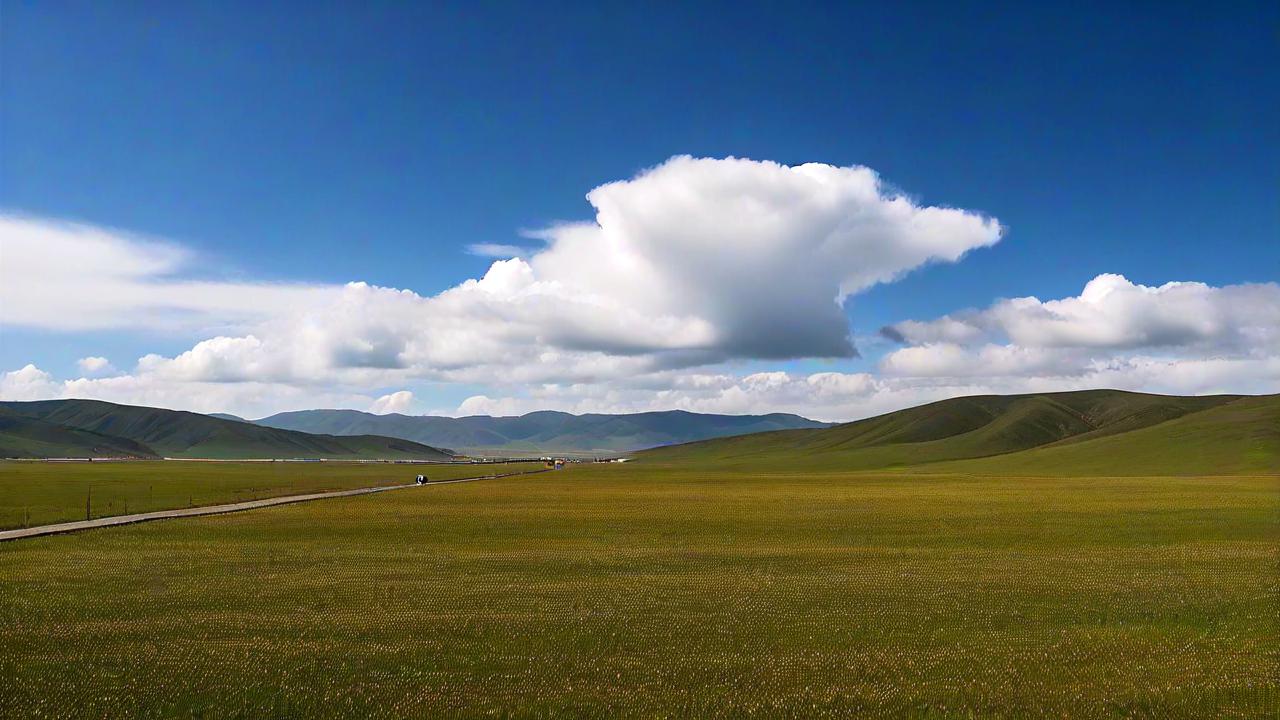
(485, 405)
(495, 250)
(69, 276)
(28, 383)
(952, 360)
(396, 402)
(758, 254)
(94, 365)
(248, 399)
(1180, 337)
(1112, 313)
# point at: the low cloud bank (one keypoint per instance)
(1180, 336)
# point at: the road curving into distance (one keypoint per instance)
(111, 521)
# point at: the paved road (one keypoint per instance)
(67, 527)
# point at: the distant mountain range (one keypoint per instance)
(1093, 432)
(545, 431)
(90, 428)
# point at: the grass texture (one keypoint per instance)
(665, 591)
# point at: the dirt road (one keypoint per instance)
(114, 520)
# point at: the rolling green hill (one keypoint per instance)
(30, 437)
(1237, 438)
(91, 427)
(1074, 429)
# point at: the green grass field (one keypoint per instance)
(40, 493)
(657, 591)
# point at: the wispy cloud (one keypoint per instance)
(70, 276)
(494, 250)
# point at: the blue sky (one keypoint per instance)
(328, 143)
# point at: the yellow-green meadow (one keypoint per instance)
(650, 590)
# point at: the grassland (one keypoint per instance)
(40, 493)
(1236, 438)
(652, 591)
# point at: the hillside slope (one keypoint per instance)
(1237, 438)
(26, 437)
(955, 429)
(172, 433)
(546, 431)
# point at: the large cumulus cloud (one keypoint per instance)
(761, 254)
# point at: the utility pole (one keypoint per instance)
(88, 502)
